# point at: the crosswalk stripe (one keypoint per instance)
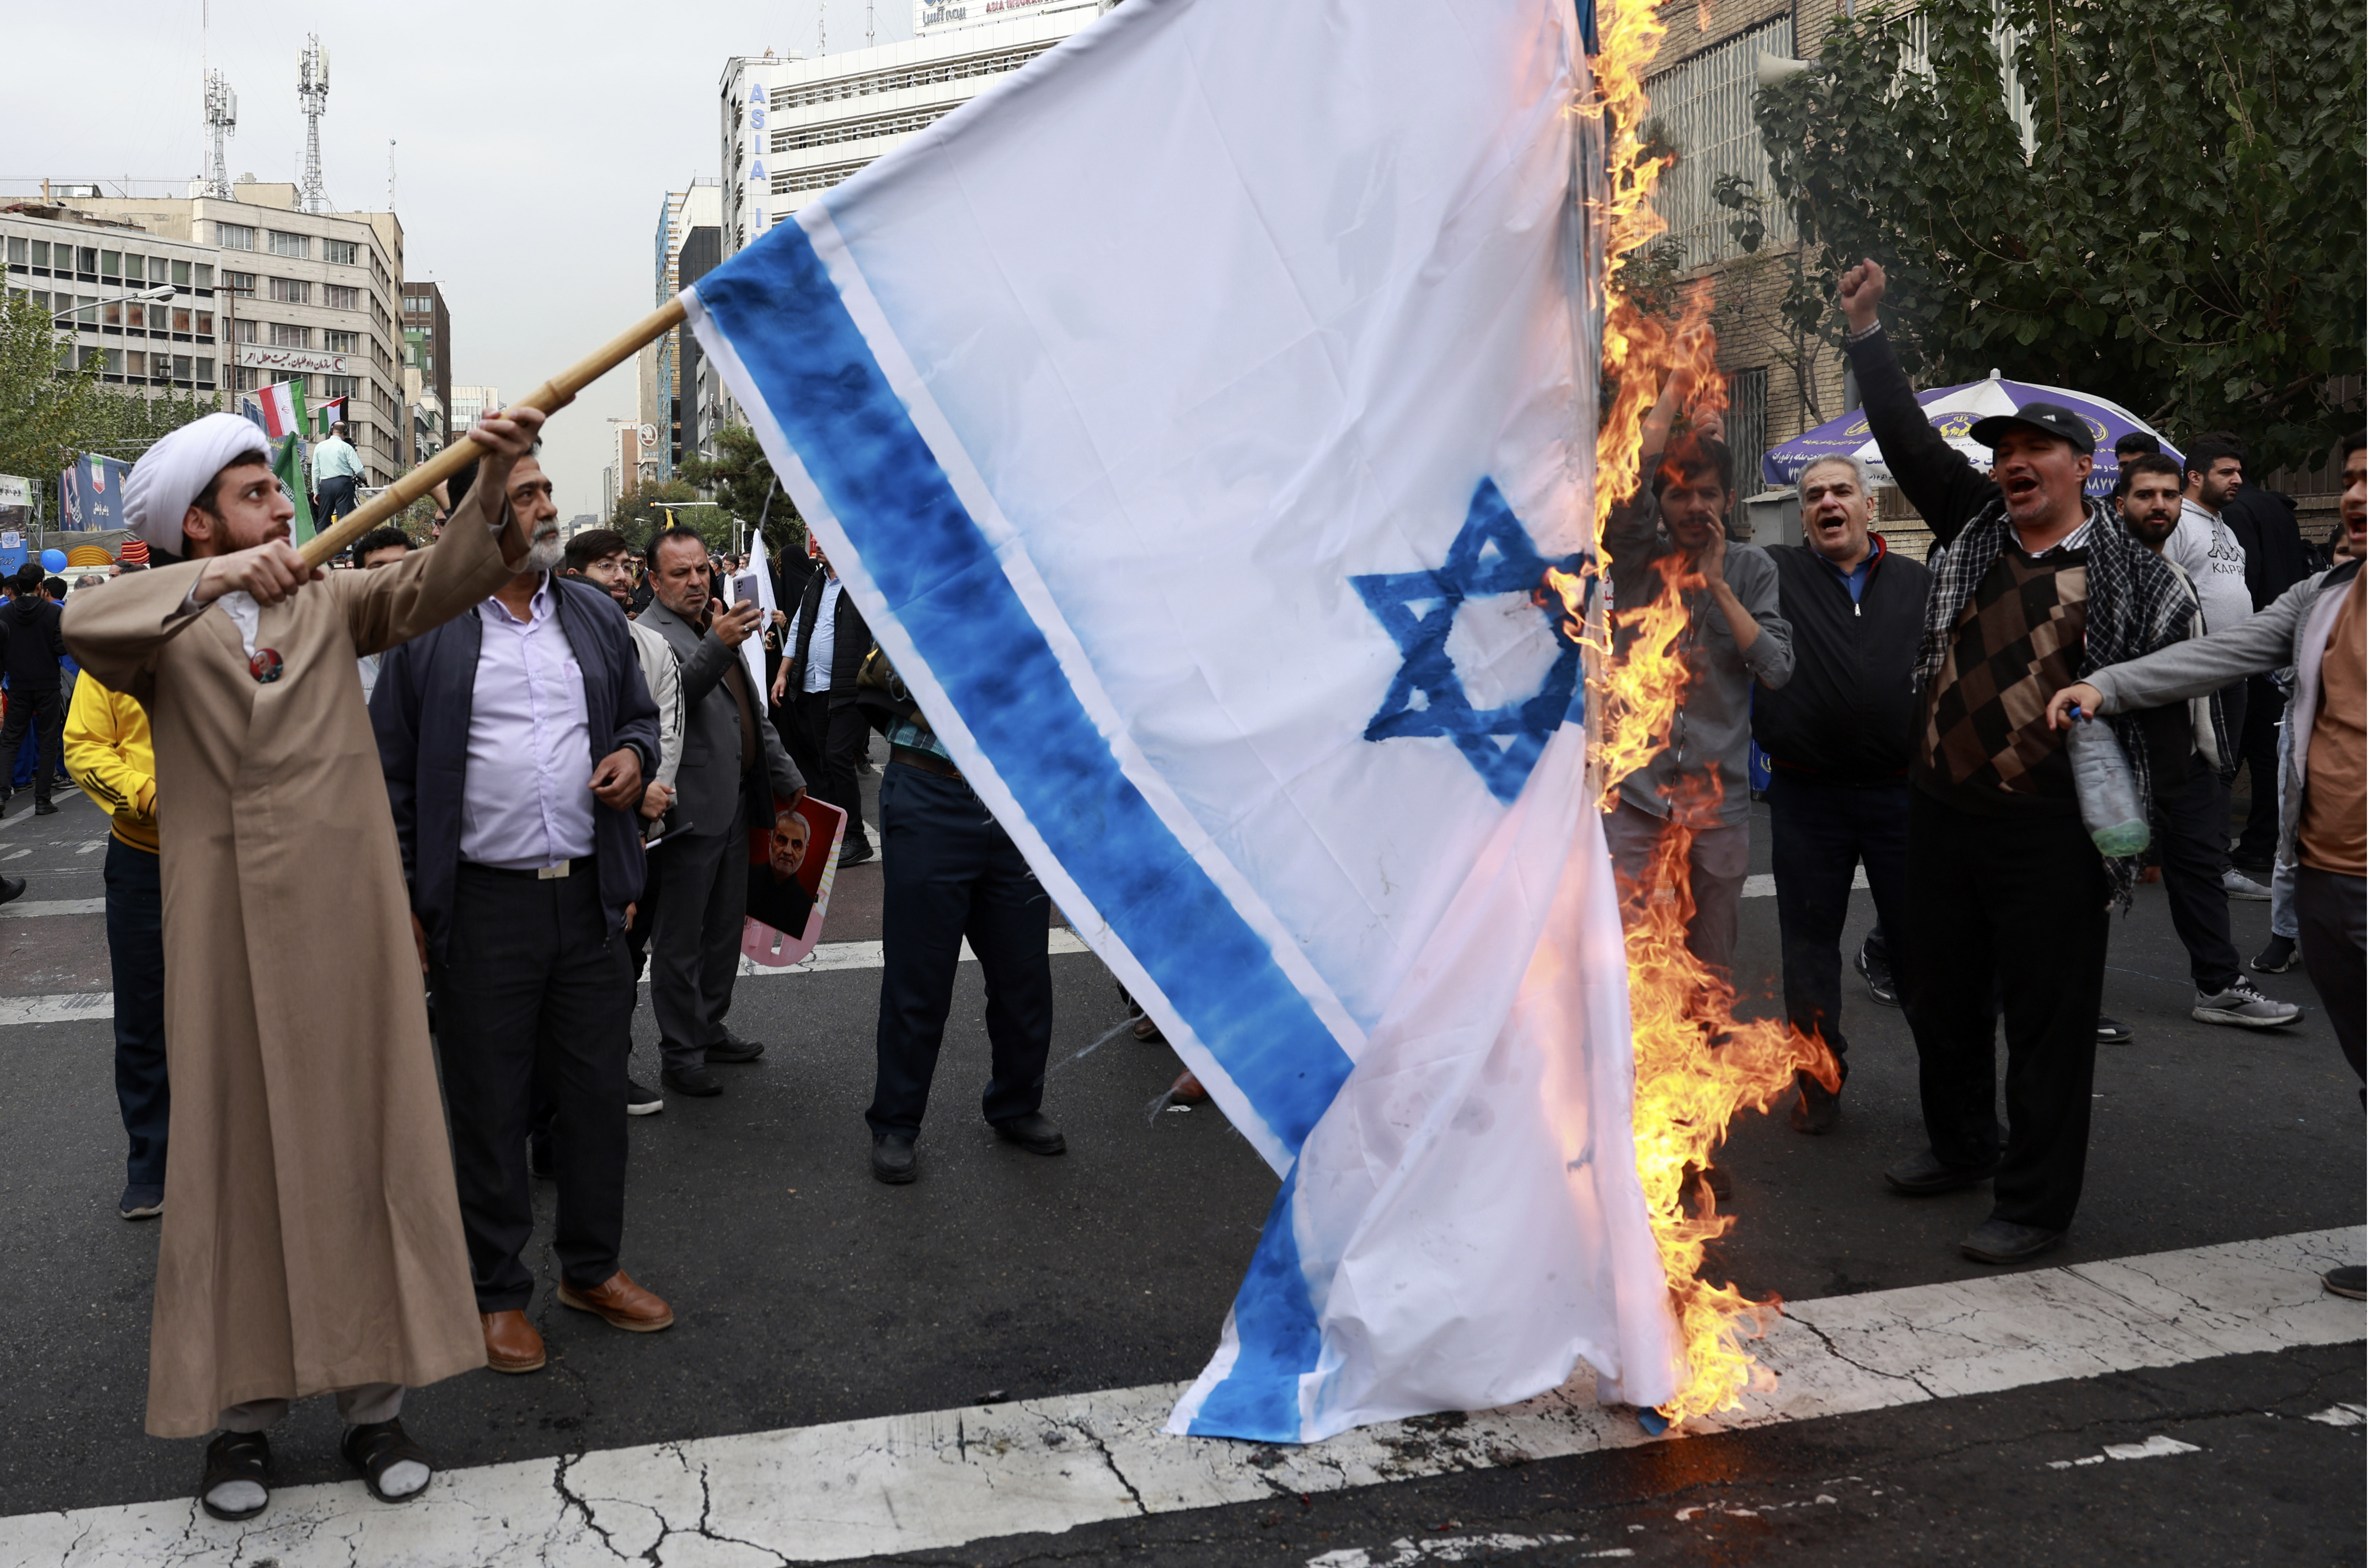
(939, 1479)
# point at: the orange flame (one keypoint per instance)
(1695, 1066)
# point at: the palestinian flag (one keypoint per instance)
(326, 416)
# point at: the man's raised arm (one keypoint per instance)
(1933, 476)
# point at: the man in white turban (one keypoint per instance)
(312, 1241)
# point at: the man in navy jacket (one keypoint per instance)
(1837, 738)
(515, 742)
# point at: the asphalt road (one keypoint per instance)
(806, 1292)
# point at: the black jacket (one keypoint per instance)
(1946, 490)
(851, 641)
(2264, 522)
(30, 643)
(421, 713)
(1845, 715)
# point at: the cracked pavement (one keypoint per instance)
(807, 1295)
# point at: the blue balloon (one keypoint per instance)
(54, 559)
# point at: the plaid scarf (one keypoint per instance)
(2136, 604)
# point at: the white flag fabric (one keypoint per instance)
(1193, 417)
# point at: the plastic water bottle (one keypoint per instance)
(2109, 791)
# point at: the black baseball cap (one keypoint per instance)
(2053, 418)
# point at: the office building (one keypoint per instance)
(428, 332)
(85, 270)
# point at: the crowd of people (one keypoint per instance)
(565, 753)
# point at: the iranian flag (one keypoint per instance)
(283, 408)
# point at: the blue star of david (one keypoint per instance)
(1492, 554)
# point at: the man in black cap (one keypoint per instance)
(2005, 887)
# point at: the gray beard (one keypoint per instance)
(544, 552)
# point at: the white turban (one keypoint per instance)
(172, 475)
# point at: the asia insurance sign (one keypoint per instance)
(295, 361)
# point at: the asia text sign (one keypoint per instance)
(297, 361)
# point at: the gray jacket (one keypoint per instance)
(710, 790)
(2291, 633)
(1713, 725)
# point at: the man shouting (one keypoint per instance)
(312, 1241)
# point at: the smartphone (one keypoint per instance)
(747, 589)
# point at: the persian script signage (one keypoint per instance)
(296, 361)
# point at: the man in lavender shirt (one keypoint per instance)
(515, 742)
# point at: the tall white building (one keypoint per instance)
(789, 128)
(313, 297)
(85, 268)
(470, 402)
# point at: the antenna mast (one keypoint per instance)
(312, 97)
(821, 30)
(870, 24)
(222, 119)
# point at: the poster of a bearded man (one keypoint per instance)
(311, 1242)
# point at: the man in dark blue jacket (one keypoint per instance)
(30, 650)
(522, 869)
(1837, 737)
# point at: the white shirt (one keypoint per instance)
(525, 800)
(2204, 547)
(245, 613)
(819, 676)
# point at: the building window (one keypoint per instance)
(1706, 105)
(800, 137)
(343, 342)
(132, 268)
(242, 331)
(235, 236)
(17, 253)
(241, 283)
(291, 291)
(822, 177)
(87, 261)
(1745, 432)
(993, 64)
(181, 319)
(297, 246)
(338, 386)
(244, 379)
(206, 320)
(205, 278)
(136, 365)
(111, 265)
(182, 367)
(341, 297)
(205, 371)
(339, 253)
(181, 275)
(287, 337)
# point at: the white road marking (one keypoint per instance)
(2341, 1416)
(94, 844)
(17, 856)
(939, 1479)
(1762, 885)
(82, 1007)
(1444, 1549)
(34, 909)
(2154, 1447)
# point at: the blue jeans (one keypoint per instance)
(1821, 832)
(136, 957)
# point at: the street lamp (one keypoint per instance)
(158, 294)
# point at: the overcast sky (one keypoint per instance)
(533, 145)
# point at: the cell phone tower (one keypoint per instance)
(314, 96)
(222, 119)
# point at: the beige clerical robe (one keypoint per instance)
(312, 1240)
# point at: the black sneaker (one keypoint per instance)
(11, 887)
(2278, 958)
(641, 1102)
(2113, 1031)
(734, 1049)
(694, 1081)
(1880, 983)
(141, 1203)
(2351, 1280)
(45, 808)
(1818, 1108)
(1927, 1175)
(1033, 1132)
(856, 854)
(2002, 1240)
(894, 1160)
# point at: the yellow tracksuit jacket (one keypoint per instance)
(107, 752)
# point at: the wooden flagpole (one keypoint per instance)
(550, 397)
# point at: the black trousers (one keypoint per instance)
(696, 886)
(2019, 902)
(1821, 832)
(2257, 847)
(951, 873)
(338, 498)
(135, 962)
(532, 988)
(2333, 909)
(24, 707)
(836, 739)
(2191, 825)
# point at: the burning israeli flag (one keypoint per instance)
(1196, 419)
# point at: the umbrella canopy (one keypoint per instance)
(1952, 411)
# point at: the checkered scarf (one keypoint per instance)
(2136, 604)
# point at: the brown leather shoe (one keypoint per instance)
(513, 1342)
(622, 1303)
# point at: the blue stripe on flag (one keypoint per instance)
(1279, 1340)
(806, 356)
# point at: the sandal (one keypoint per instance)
(375, 1447)
(236, 1457)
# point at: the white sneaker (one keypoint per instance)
(2242, 1005)
(2236, 885)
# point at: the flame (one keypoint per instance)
(1695, 1066)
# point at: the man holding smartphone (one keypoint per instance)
(731, 772)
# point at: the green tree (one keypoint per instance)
(2184, 237)
(641, 513)
(744, 484)
(45, 402)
